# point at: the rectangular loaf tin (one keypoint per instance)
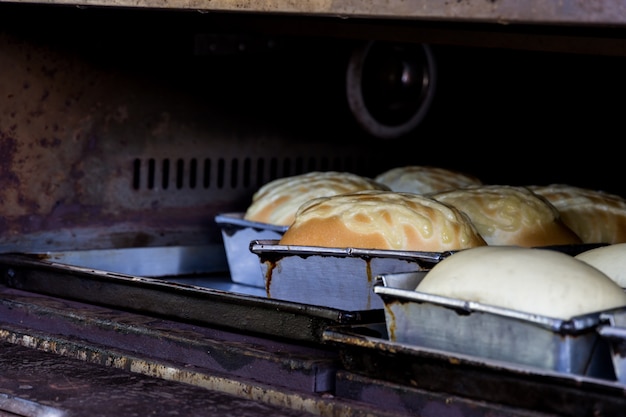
(332, 277)
(237, 234)
(614, 332)
(454, 325)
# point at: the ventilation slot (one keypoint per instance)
(202, 174)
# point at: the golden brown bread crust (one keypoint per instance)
(382, 220)
(422, 179)
(595, 216)
(277, 201)
(510, 215)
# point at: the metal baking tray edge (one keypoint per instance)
(206, 306)
(366, 350)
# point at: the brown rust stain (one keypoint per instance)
(271, 265)
(38, 120)
(391, 321)
(8, 150)
(51, 102)
(272, 261)
(370, 281)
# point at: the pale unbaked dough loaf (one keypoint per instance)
(610, 259)
(277, 201)
(510, 215)
(537, 281)
(382, 220)
(423, 179)
(595, 216)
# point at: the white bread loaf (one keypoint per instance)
(610, 259)
(537, 281)
(277, 201)
(424, 179)
(595, 216)
(510, 215)
(381, 220)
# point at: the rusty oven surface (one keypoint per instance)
(367, 353)
(168, 297)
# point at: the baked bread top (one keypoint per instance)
(421, 179)
(277, 201)
(377, 219)
(510, 215)
(595, 216)
(536, 281)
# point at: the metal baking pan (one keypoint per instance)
(402, 368)
(204, 299)
(237, 234)
(332, 277)
(614, 332)
(453, 325)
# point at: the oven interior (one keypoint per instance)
(125, 131)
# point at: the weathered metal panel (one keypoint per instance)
(575, 12)
(132, 138)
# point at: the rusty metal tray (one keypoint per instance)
(193, 298)
(366, 350)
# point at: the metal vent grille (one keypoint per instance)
(235, 173)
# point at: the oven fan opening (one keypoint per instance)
(203, 174)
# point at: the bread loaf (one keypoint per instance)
(381, 220)
(425, 179)
(277, 201)
(595, 216)
(536, 281)
(510, 215)
(610, 259)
